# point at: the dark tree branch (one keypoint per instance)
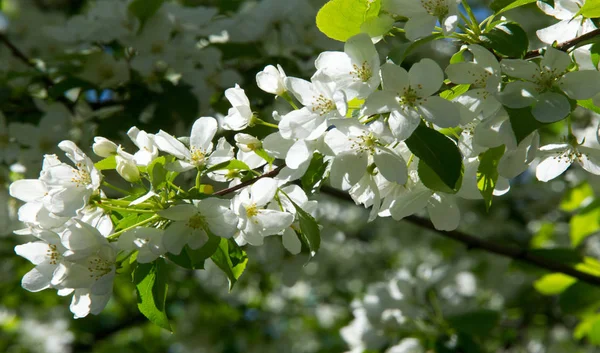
(566, 45)
(17, 53)
(272, 173)
(472, 242)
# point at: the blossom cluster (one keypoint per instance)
(386, 135)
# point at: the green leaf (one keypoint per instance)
(579, 297)
(522, 122)
(233, 164)
(401, 52)
(507, 39)
(584, 224)
(157, 172)
(477, 323)
(194, 259)
(315, 174)
(576, 197)
(553, 284)
(144, 9)
(500, 6)
(231, 259)
(378, 26)
(543, 235)
(487, 173)
(264, 155)
(458, 57)
(590, 9)
(589, 104)
(106, 164)
(432, 181)
(309, 228)
(455, 91)
(342, 19)
(151, 284)
(595, 52)
(439, 152)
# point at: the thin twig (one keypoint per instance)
(477, 243)
(272, 173)
(566, 45)
(16, 52)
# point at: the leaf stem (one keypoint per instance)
(123, 209)
(289, 99)
(111, 186)
(116, 235)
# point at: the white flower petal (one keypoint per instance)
(203, 131)
(440, 111)
(580, 84)
(291, 242)
(551, 107)
(426, 77)
(391, 165)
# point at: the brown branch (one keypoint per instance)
(566, 45)
(272, 173)
(477, 243)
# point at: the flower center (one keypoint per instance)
(437, 8)
(364, 143)
(322, 105)
(569, 155)
(251, 210)
(362, 72)
(99, 267)
(546, 79)
(196, 221)
(52, 254)
(81, 177)
(198, 156)
(232, 174)
(409, 97)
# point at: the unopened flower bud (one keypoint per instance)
(270, 80)
(127, 169)
(104, 147)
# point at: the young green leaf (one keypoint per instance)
(151, 284)
(106, 164)
(500, 6)
(439, 153)
(522, 122)
(342, 19)
(194, 259)
(233, 164)
(231, 259)
(157, 172)
(507, 39)
(311, 234)
(590, 9)
(584, 224)
(487, 173)
(315, 174)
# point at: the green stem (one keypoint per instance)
(123, 209)
(116, 235)
(109, 185)
(289, 99)
(176, 187)
(198, 179)
(473, 23)
(262, 122)
(371, 118)
(124, 203)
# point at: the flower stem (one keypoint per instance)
(116, 235)
(198, 179)
(111, 186)
(123, 209)
(124, 203)
(289, 99)
(262, 122)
